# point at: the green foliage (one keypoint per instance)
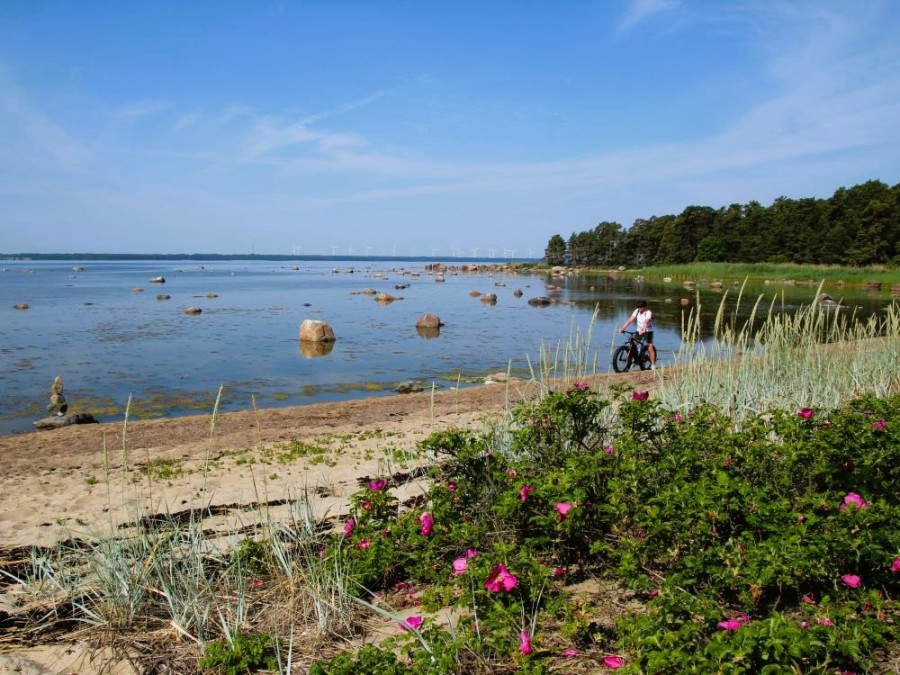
(252, 556)
(760, 526)
(244, 654)
(856, 226)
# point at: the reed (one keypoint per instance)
(818, 356)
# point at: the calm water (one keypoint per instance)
(108, 341)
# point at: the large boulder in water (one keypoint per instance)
(312, 330)
(429, 321)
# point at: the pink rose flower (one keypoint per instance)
(349, 524)
(851, 580)
(411, 623)
(569, 653)
(855, 499)
(427, 523)
(640, 395)
(366, 505)
(471, 553)
(824, 621)
(613, 662)
(376, 485)
(363, 544)
(731, 624)
(524, 490)
(500, 579)
(460, 566)
(805, 413)
(525, 644)
(609, 450)
(582, 385)
(881, 424)
(559, 571)
(896, 566)
(563, 509)
(653, 593)
(677, 417)
(453, 487)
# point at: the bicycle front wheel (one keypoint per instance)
(621, 361)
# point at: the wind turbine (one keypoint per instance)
(334, 248)
(491, 253)
(394, 252)
(350, 249)
(433, 251)
(475, 252)
(368, 250)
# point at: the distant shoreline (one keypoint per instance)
(24, 257)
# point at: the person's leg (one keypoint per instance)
(651, 350)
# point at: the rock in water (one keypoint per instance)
(57, 421)
(312, 330)
(429, 321)
(409, 387)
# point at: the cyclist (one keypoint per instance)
(644, 320)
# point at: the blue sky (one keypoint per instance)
(429, 127)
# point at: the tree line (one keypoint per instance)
(858, 226)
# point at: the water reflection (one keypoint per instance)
(428, 333)
(311, 350)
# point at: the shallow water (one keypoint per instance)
(110, 342)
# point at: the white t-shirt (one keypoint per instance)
(644, 320)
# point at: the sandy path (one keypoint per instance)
(64, 482)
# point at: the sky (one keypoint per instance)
(401, 127)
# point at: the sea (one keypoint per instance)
(123, 344)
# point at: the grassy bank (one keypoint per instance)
(775, 272)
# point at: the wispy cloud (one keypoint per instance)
(186, 120)
(42, 132)
(345, 108)
(140, 109)
(641, 10)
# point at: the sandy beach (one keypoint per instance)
(67, 482)
(91, 480)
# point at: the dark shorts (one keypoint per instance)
(648, 337)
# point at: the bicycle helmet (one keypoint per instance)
(641, 303)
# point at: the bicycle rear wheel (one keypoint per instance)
(621, 361)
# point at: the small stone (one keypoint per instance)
(192, 310)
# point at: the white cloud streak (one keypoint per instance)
(641, 10)
(45, 136)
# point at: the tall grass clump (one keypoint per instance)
(820, 354)
(567, 361)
